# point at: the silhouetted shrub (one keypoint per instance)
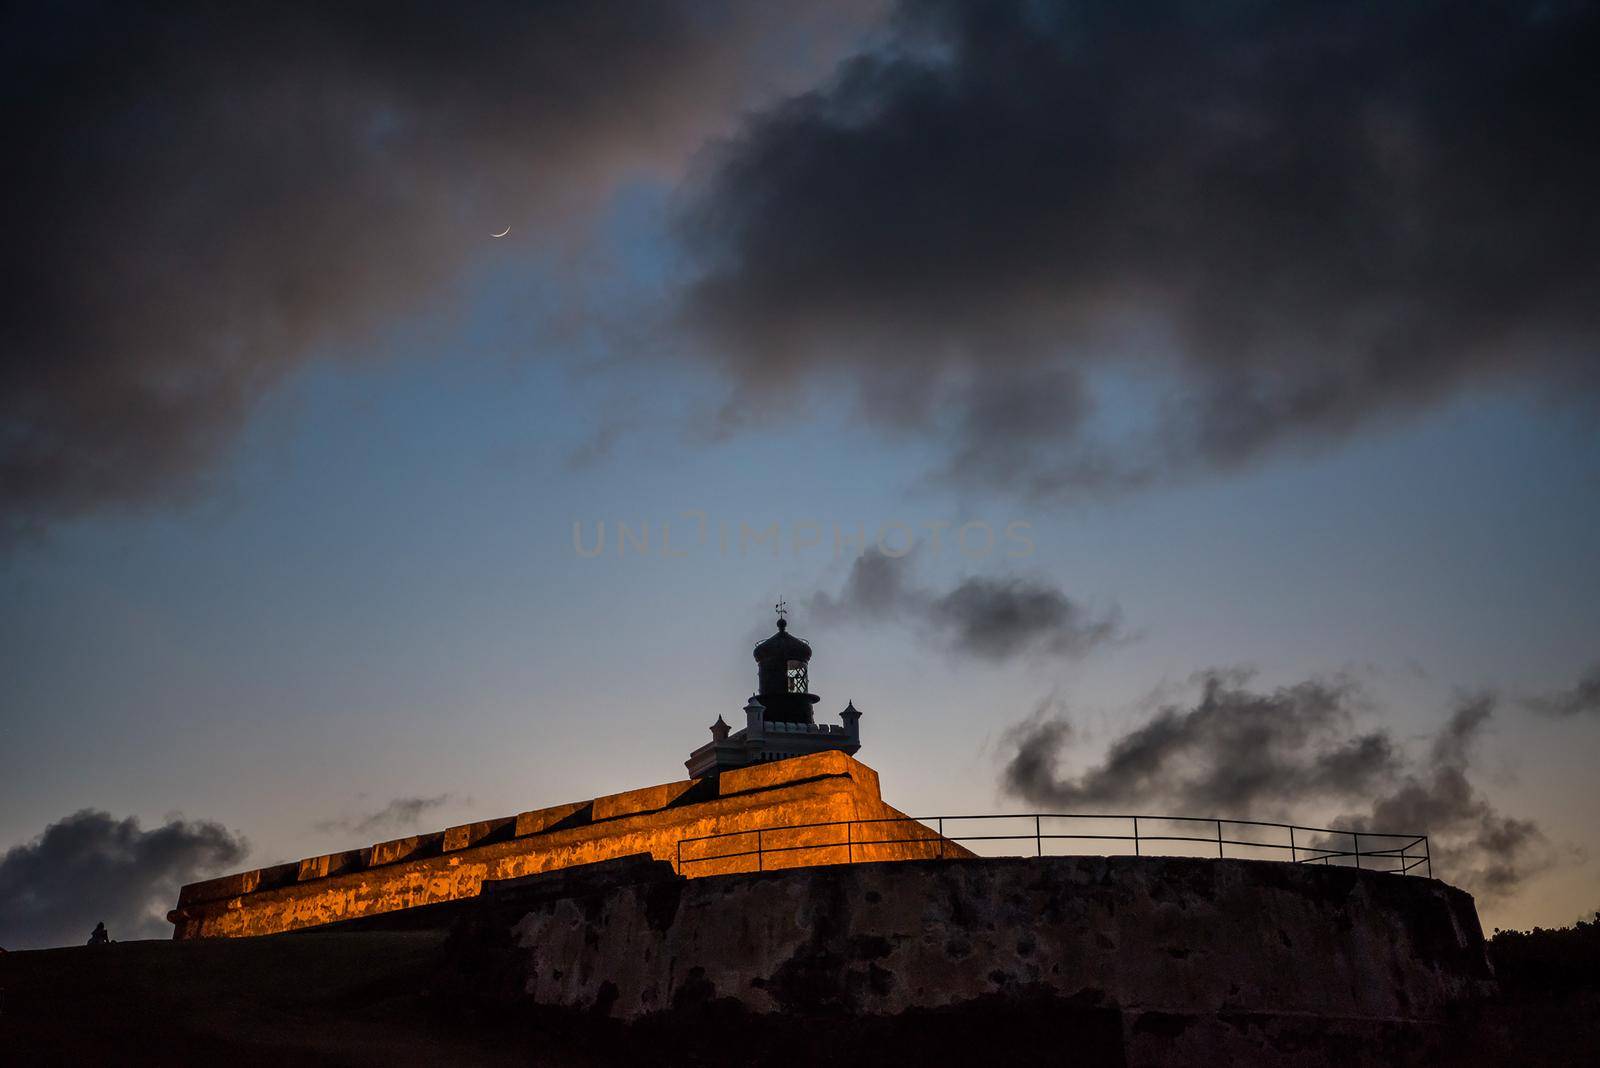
(1556, 960)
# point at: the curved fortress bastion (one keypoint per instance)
(1107, 960)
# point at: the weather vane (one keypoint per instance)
(782, 607)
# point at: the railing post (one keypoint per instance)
(941, 837)
(1136, 837)
(759, 863)
(1427, 853)
(678, 867)
(1356, 839)
(1219, 839)
(1294, 854)
(1038, 839)
(849, 842)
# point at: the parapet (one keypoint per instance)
(451, 864)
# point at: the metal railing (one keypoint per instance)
(928, 837)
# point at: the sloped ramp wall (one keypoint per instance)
(452, 865)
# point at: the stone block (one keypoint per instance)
(779, 772)
(412, 847)
(226, 886)
(649, 799)
(277, 875)
(331, 864)
(539, 820)
(471, 834)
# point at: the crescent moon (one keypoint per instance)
(502, 233)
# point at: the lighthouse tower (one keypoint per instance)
(780, 719)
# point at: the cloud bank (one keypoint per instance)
(90, 867)
(1472, 843)
(994, 619)
(1234, 752)
(1293, 752)
(1272, 225)
(203, 197)
(1281, 225)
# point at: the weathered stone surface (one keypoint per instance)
(649, 799)
(1203, 961)
(470, 834)
(543, 819)
(428, 869)
(331, 864)
(398, 849)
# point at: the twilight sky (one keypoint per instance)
(1167, 407)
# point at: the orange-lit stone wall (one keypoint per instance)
(773, 801)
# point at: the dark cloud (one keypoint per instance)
(1300, 217)
(401, 814)
(1581, 699)
(1265, 225)
(1235, 752)
(1292, 752)
(1000, 618)
(203, 196)
(1471, 842)
(989, 618)
(91, 867)
(875, 590)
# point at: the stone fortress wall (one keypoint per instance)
(1147, 960)
(453, 864)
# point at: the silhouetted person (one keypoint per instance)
(99, 937)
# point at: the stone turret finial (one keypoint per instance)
(851, 717)
(719, 730)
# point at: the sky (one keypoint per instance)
(1188, 409)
